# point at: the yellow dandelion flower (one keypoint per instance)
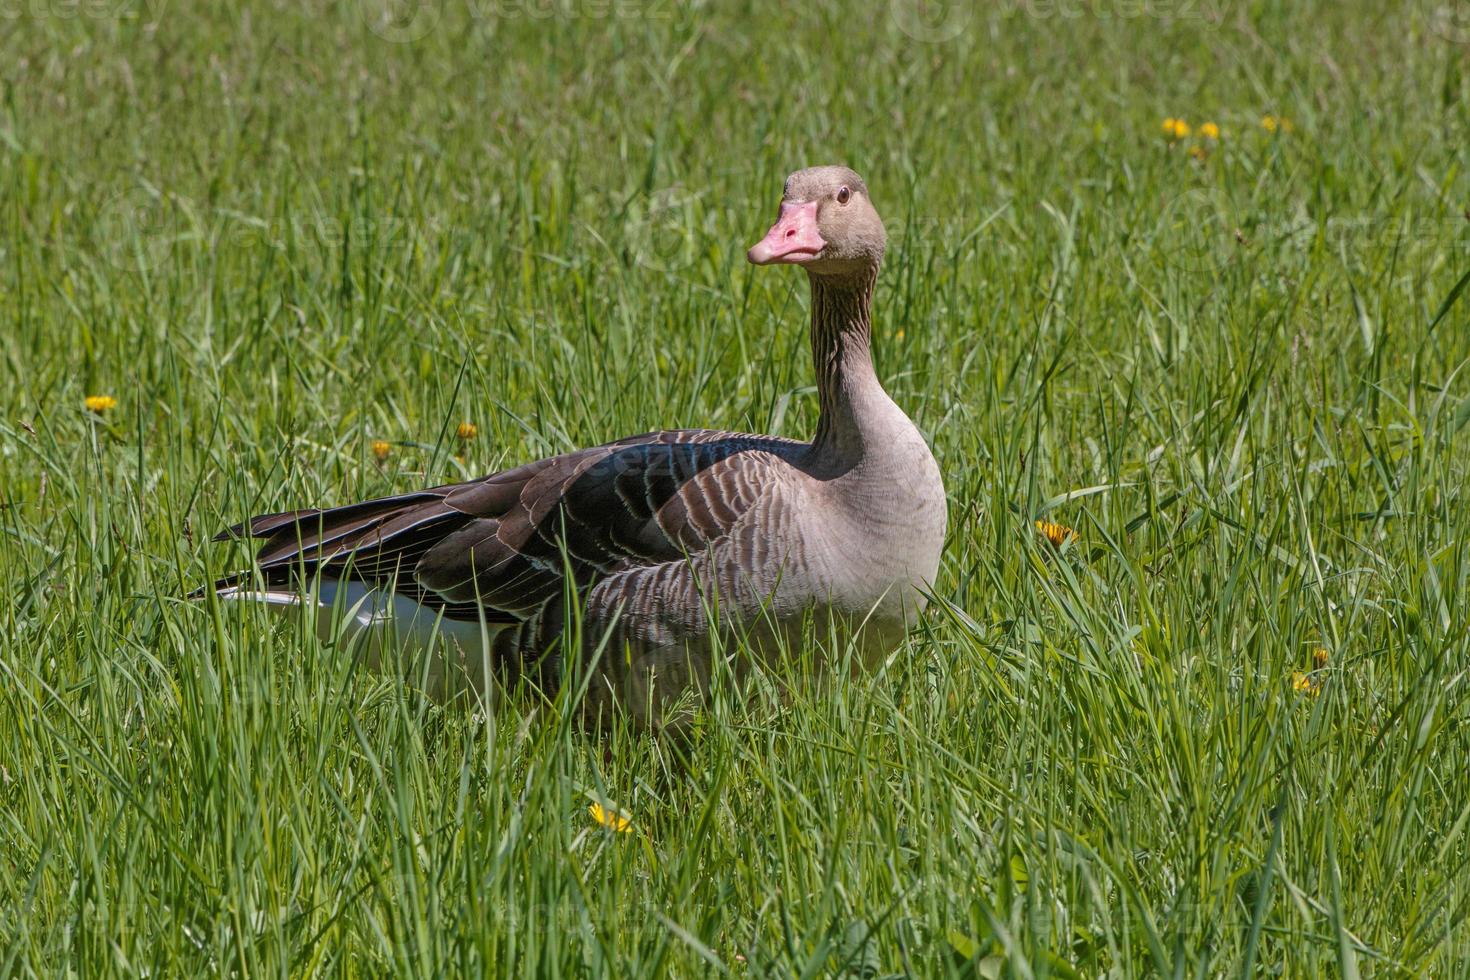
(1319, 658)
(381, 449)
(1305, 683)
(99, 403)
(1176, 129)
(466, 431)
(1057, 534)
(1209, 131)
(611, 819)
(1276, 124)
(1198, 152)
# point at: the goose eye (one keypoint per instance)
(843, 194)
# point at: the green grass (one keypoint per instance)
(275, 237)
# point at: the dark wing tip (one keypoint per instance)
(232, 533)
(266, 524)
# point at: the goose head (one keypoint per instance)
(827, 225)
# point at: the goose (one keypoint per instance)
(657, 536)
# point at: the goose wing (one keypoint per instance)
(500, 547)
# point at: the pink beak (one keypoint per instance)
(793, 238)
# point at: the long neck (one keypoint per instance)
(847, 386)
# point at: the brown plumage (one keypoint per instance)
(491, 551)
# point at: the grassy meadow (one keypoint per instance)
(1222, 730)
